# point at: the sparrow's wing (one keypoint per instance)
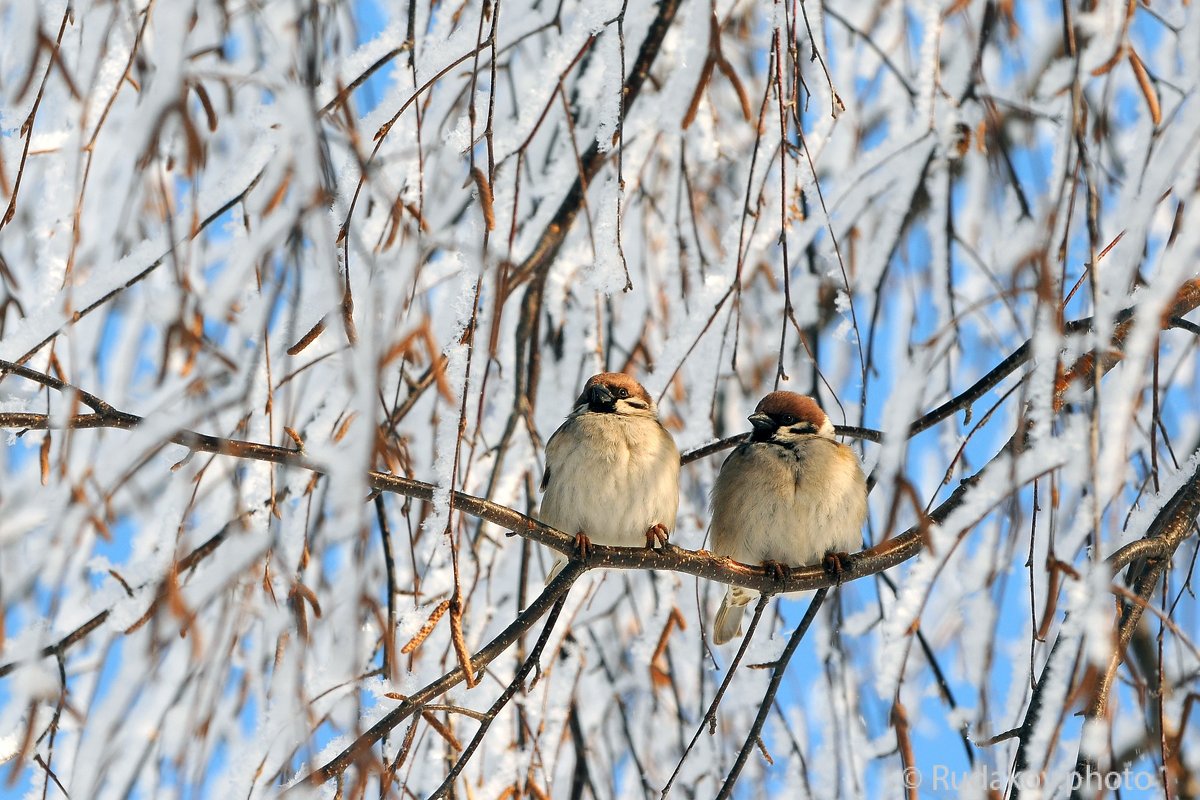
(553, 445)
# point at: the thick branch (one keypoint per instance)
(700, 563)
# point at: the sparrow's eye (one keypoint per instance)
(789, 419)
(622, 393)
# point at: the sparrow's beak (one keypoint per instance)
(601, 398)
(761, 421)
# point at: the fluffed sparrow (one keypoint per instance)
(792, 495)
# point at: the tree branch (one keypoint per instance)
(1169, 529)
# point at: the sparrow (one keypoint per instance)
(612, 469)
(792, 495)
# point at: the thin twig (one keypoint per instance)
(710, 716)
(764, 707)
(361, 746)
(518, 682)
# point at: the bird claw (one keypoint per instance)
(583, 544)
(657, 534)
(836, 566)
(780, 571)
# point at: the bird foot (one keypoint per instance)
(657, 534)
(780, 571)
(836, 566)
(583, 544)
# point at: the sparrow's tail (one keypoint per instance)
(559, 563)
(728, 623)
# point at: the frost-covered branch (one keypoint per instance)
(548, 600)
(292, 295)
